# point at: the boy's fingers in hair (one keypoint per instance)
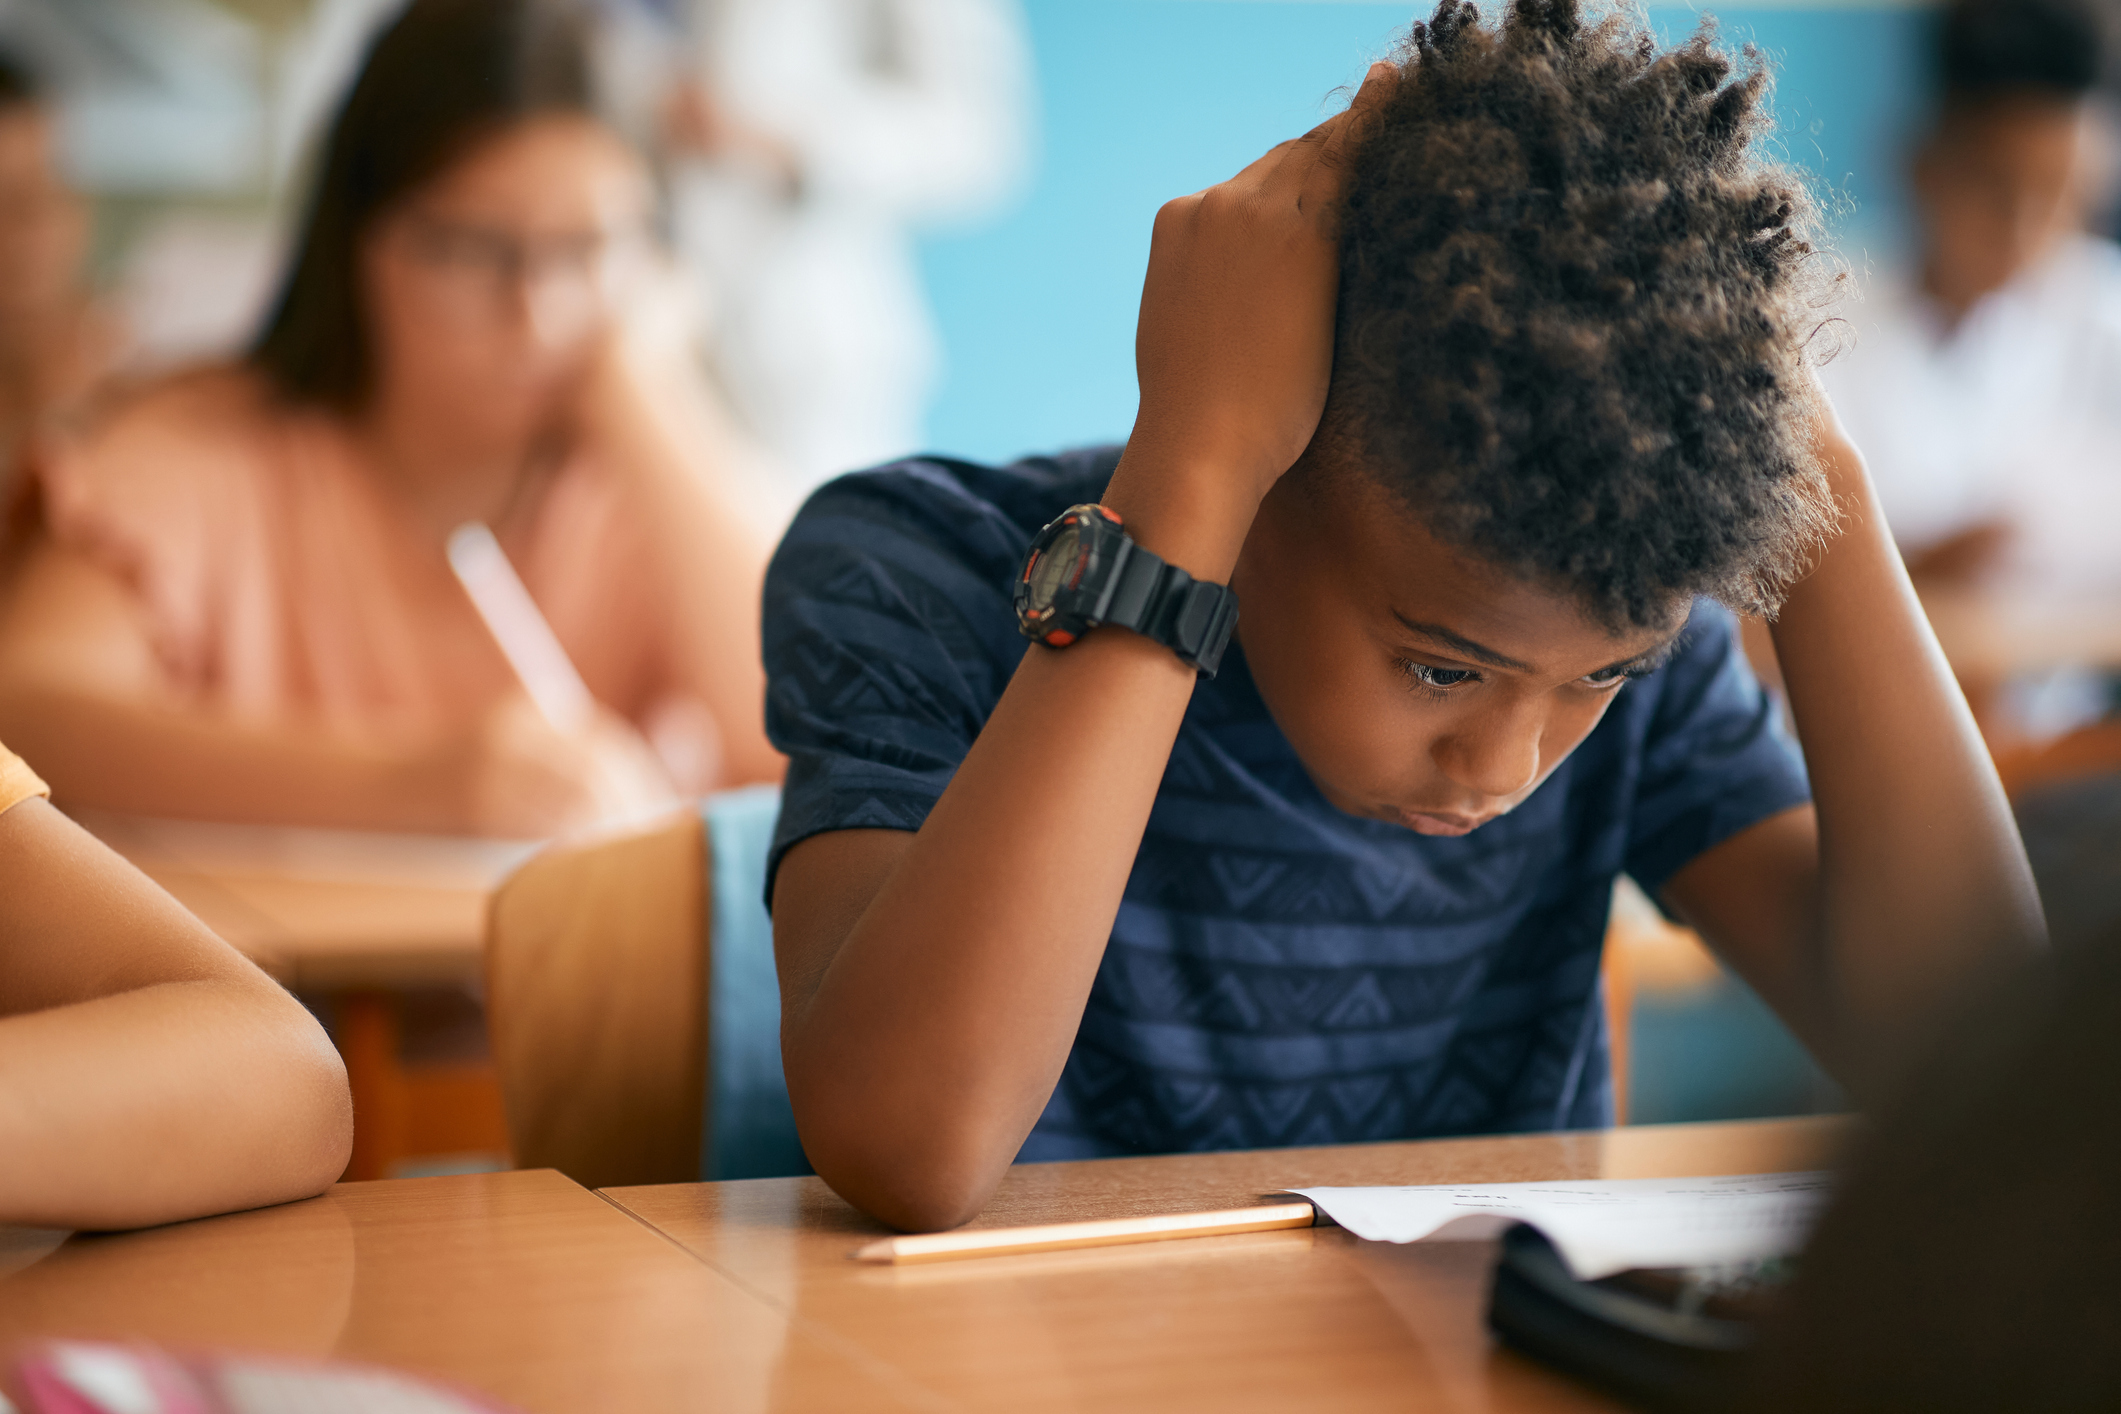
(1307, 169)
(1286, 169)
(1326, 174)
(1259, 174)
(1294, 166)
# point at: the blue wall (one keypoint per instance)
(1142, 100)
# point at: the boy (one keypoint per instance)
(1075, 901)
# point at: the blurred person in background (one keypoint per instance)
(810, 138)
(1986, 390)
(246, 610)
(1987, 396)
(54, 345)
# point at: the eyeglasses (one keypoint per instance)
(476, 271)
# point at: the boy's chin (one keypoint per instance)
(1438, 824)
(1424, 822)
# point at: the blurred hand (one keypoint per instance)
(515, 775)
(693, 120)
(1235, 345)
(645, 356)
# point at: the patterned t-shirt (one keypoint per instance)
(1279, 973)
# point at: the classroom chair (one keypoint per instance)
(416, 1103)
(1686, 1039)
(634, 1008)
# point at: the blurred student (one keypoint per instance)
(53, 345)
(247, 612)
(147, 1072)
(814, 136)
(1986, 390)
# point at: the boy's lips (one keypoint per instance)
(1441, 822)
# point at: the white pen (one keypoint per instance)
(525, 638)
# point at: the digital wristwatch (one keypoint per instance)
(1084, 571)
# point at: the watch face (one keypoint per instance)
(1056, 566)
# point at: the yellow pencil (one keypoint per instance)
(1055, 1237)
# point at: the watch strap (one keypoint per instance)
(1162, 602)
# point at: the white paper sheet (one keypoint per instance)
(1600, 1226)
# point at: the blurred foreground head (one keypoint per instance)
(471, 222)
(1575, 296)
(43, 225)
(1969, 1266)
(2011, 167)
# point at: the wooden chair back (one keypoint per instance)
(596, 974)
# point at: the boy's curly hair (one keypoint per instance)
(1573, 309)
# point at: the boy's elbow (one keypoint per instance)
(913, 1181)
(911, 1200)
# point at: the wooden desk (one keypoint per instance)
(327, 910)
(521, 1285)
(1282, 1320)
(739, 1297)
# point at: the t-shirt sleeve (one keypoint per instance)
(1715, 758)
(889, 637)
(17, 782)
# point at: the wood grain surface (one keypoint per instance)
(1285, 1320)
(741, 1297)
(324, 910)
(524, 1286)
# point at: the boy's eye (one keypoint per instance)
(1609, 677)
(1437, 678)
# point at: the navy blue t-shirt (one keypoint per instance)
(1279, 972)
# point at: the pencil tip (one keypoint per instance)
(877, 1251)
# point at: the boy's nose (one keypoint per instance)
(1495, 754)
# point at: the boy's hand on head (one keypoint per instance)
(1235, 344)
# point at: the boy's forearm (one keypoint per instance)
(1922, 878)
(923, 1042)
(932, 1038)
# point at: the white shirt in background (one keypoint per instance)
(2013, 415)
(902, 113)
